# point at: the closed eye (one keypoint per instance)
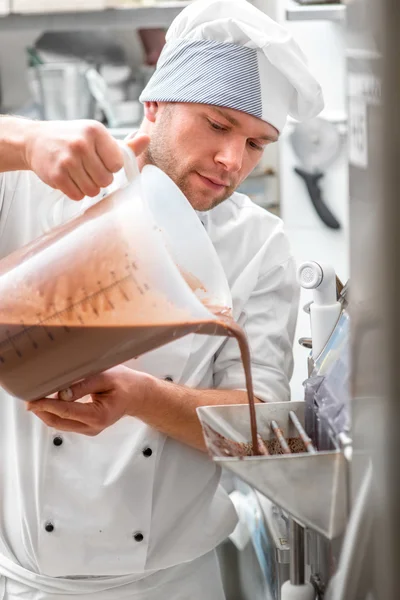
(216, 126)
(256, 146)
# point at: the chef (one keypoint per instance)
(116, 498)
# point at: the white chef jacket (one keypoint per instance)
(131, 501)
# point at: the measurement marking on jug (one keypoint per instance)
(118, 283)
(71, 308)
(40, 323)
(135, 268)
(57, 315)
(18, 352)
(28, 330)
(27, 333)
(103, 291)
(131, 263)
(90, 298)
(141, 292)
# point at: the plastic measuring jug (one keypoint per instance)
(106, 287)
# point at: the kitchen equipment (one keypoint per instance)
(261, 539)
(310, 487)
(122, 114)
(103, 288)
(63, 91)
(325, 309)
(153, 41)
(327, 402)
(317, 144)
(327, 391)
(99, 90)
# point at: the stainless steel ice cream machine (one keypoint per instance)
(304, 468)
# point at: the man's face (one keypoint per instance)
(207, 151)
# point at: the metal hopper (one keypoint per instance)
(311, 487)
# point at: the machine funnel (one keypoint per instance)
(310, 486)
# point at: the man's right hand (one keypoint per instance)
(76, 157)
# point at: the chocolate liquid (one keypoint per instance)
(87, 296)
(222, 446)
(231, 328)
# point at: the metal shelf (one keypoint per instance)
(158, 15)
(316, 12)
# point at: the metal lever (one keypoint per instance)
(305, 342)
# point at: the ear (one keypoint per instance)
(150, 111)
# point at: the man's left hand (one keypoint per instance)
(113, 395)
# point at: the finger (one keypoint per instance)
(67, 186)
(139, 143)
(66, 395)
(64, 424)
(109, 151)
(74, 411)
(97, 171)
(95, 384)
(83, 181)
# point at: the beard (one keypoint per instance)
(160, 154)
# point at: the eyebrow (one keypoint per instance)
(235, 122)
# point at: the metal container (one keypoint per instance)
(312, 488)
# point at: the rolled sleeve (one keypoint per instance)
(269, 320)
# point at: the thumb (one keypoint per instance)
(93, 384)
(139, 143)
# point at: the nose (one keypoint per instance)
(230, 156)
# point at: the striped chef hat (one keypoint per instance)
(230, 54)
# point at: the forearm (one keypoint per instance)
(13, 135)
(171, 409)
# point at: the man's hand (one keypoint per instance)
(113, 394)
(167, 407)
(76, 157)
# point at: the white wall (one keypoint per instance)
(324, 44)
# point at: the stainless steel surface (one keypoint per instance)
(296, 543)
(159, 15)
(352, 580)
(279, 436)
(310, 487)
(306, 342)
(300, 429)
(277, 527)
(389, 492)
(375, 286)
(326, 12)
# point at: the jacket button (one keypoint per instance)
(147, 452)
(138, 537)
(49, 527)
(57, 440)
(168, 378)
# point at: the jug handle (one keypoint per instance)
(130, 163)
